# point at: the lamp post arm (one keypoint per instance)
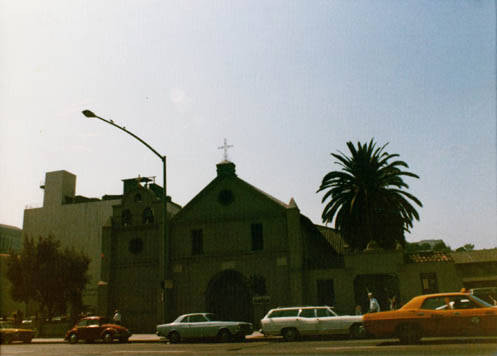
(110, 122)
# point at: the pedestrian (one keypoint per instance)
(358, 310)
(117, 317)
(374, 306)
(393, 302)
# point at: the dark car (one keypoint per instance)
(94, 328)
(10, 333)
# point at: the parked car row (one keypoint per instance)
(443, 314)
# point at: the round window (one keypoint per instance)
(225, 197)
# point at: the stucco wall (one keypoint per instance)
(75, 225)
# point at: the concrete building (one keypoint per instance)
(74, 220)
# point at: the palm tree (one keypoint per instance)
(365, 198)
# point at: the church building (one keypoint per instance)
(233, 250)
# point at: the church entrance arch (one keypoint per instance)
(228, 296)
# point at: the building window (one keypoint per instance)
(429, 283)
(126, 217)
(326, 292)
(148, 216)
(135, 246)
(197, 242)
(225, 197)
(257, 238)
(138, 197)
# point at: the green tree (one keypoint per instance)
(466, 247)
(441, 247)
(45, 273)
(366, 200)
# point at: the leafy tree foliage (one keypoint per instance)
(466, 247)
(366, 199)
(44, 273)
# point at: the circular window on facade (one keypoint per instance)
(135, 246)
(225, 197)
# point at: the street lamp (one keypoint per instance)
(165, 254)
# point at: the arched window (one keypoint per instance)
(126, 217)
(148, 216)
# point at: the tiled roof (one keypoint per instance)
(477, 256)
(422, 257)
(333, 237)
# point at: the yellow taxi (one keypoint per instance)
(442, 314)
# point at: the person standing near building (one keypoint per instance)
(117, 317)
(374, 306)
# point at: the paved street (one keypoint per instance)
(144, 345)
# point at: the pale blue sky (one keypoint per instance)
(286, 82)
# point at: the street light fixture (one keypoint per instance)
(165, 249)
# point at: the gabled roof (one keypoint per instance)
(222, 175)
(332, 236)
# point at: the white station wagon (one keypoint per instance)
(293, 322)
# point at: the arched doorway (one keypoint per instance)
(383, 287)
(229, 297)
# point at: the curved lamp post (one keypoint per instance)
(163, 269)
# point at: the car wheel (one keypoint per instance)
(290, 334)
(356, 331)
(73, 339)
(107, 338)
(224, 336)
(6, 339)
(409, 334)
(174, 337)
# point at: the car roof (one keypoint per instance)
(303, 307)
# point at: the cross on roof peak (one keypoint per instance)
(225, 147)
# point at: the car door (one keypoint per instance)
(307, 322)
(197, 326)
(82, 328)
(329, 322)
(472, 318)
(94, 329)
(435, 316)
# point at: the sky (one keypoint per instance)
(287, 83)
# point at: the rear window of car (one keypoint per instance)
(307, 313)
(282, 313)
(322, 312)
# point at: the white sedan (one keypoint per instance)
(203, 326)
(293, 322)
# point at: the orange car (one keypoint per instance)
(442, 314)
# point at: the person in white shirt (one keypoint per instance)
(374, 306)
(117, 317)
